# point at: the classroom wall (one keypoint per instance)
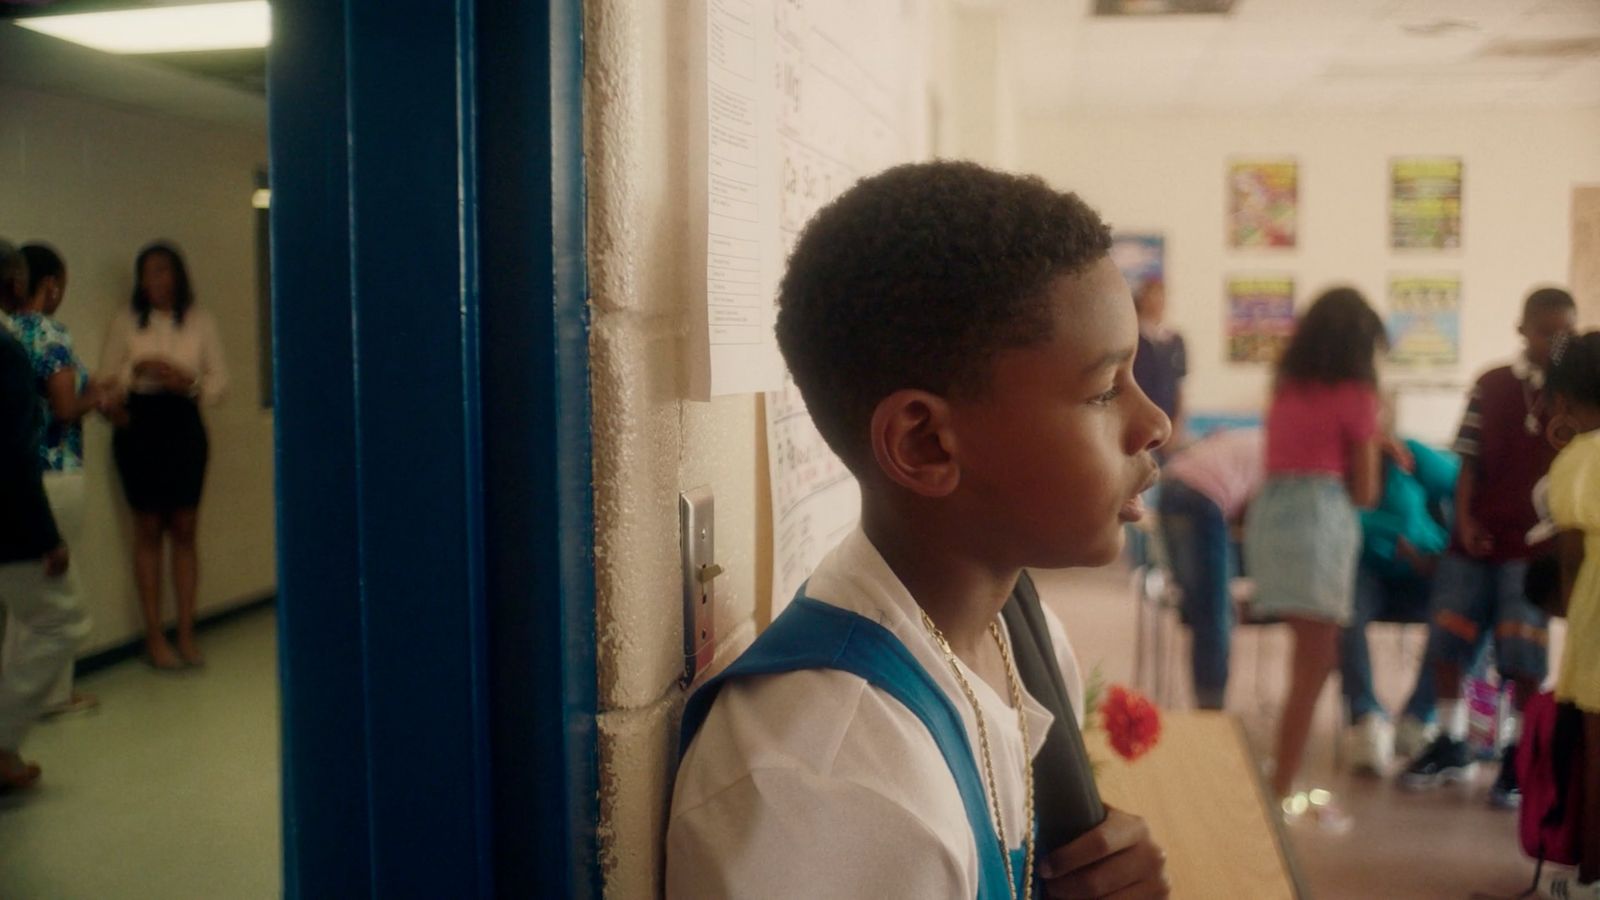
(98, 182)
(1166, 173)
(973, 102)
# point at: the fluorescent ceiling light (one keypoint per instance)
(167, 29)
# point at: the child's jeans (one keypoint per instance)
(1382, 597)
(1197, 542)
(1474, 599)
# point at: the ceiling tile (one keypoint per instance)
(1557, 24)
(1270, 53)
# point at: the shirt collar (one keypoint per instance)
(1525, 370)
(856, 577)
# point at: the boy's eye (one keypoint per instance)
(1108, 396)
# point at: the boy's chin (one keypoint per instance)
(1110, 554)
(1089, 555)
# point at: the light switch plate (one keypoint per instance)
(697, 544)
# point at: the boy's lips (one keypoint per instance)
(1133, 510)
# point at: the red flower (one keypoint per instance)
(1131, 721)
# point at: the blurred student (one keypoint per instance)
(66, 395)
(164, 360)
(34, 587)
(1302, 535)
(1163, 361)
(1401, 541)
(1479, 589)
(1205, 490)
(1574, 497)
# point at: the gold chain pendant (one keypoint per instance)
(1014, 686)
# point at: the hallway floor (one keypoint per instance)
(169, 790)
(1446, 845)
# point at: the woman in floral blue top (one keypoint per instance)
(61, 380)
(66, 395)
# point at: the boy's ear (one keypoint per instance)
(913, 444)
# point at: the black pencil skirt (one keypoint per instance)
(161, 453)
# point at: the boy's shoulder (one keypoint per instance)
(815, 725)
(1501, 376)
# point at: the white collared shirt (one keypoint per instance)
(194, 346)
(815, 784)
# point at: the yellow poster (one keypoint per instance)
(1425, 203)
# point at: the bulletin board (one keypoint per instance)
(810, 95)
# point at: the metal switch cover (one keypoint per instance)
(697, 544)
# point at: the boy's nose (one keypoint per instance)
(1161, 433)
(1152, 428)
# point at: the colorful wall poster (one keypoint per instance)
(1263, 203)
(1140, 257)
(1425, 203)
(1424, 320)
(1260, 317)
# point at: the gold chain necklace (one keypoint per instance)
(1015, 688)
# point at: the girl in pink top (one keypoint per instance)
(1302, 537)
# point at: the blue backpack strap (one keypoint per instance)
(811, 634)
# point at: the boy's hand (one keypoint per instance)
(1423, 563)
(1116, 859)
(1396, 449)
(1473, 536)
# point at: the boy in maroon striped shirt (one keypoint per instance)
(1478, 590)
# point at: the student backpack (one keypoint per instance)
(1547, 759)
(810, 634)
(1066, 799)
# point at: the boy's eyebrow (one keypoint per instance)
(1109, 361)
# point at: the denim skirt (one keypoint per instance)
(1302, 543)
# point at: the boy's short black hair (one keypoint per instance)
(1548, 298)
(915, 277)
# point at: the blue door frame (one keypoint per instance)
(435, 514)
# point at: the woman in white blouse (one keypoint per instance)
(164, 360)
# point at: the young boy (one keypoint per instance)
(965, 345)
(1479, 585)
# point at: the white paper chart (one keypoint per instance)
(741, 200)
(815, 501)
(851, 100)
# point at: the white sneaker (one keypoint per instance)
(1413, 736)
(1369, 745)
(1565, 886)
